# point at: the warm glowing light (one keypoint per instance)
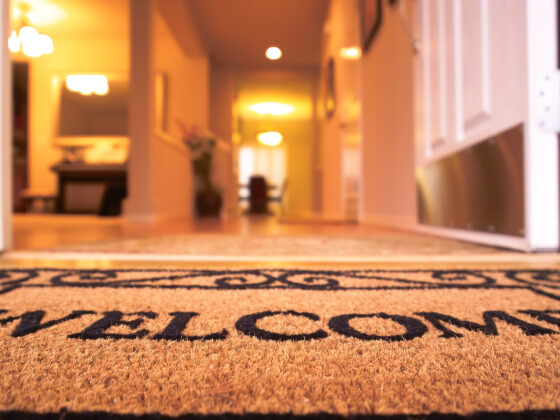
(270, 138)
(272, 108)
(31, 49)
(87, 84)
(351, 53)
(13, 43)
(26, 38)
(37, 12)
(31, 43)
(27, 34)
(273, 53)
(46, 44)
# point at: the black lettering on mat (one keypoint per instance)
(30, 322)
(174, 330)
(414, 327)
(112, 319)
(488, 328)
(248, 325)
(544, 316)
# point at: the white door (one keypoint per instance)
(486, 156)
(5, 131)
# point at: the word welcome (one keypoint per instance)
(177, 328)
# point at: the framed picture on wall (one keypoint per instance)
(371, 15)
(330, 97)
(162, 117)
(161, 102)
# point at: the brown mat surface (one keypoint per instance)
(288, 342)
(377, 245)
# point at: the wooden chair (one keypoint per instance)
(258, 195)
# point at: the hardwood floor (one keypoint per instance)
(33, 233)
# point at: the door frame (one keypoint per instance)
(6, 131)
(542, 184)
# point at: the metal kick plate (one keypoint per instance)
(480, 188)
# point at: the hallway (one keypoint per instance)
(280, 209)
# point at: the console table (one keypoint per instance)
(111, 177)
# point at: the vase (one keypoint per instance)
(207, 199)
(208, 203)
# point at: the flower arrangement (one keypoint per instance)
(197, 141)
(208, 199)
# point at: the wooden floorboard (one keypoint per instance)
(33, 233)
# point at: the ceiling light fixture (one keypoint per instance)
(270, 138)
(272, 108)
(273, 53)
(26, 38)
(88, 84)
(351, 53)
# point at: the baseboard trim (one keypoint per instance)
(492, 239)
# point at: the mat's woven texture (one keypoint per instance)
(199, 342)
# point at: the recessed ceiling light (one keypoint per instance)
(270, 138)
(273, 53)
(351, 53)
(272, 108)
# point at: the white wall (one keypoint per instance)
(160, 174)
(141, 112)
(222, 95)
(339, 161)
(370, 136)
(188, 96)
(388, 180)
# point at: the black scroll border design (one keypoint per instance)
(303, 279)
(8, 286)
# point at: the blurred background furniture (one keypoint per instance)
(35, 201)
(258, 195)
(91, 188)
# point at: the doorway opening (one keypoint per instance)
(268, 163)
(20, 72)
(276, 140)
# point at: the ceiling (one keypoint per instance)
(237, 32)
(79, 17)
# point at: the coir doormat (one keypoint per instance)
(271, 343)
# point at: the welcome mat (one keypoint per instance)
(279, 343)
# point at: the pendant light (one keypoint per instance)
(26, 38)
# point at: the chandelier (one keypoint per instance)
(27, 39)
